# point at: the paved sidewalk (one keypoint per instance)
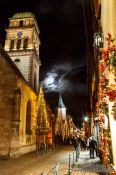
(90, 166)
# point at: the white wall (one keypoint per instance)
(108, 23)
(108, 17)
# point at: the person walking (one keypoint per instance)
(92, 147)
(75, 141)
(87, 141)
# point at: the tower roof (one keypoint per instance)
(23, 15)
(60, 103)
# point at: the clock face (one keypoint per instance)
(19, 34)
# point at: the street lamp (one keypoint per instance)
(98, 39)
(86, 126)
(86, 119)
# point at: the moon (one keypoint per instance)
(50, 79)
(50, 82)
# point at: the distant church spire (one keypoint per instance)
(60, 103)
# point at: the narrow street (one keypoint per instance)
(45, 163)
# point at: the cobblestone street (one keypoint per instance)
(29, 164)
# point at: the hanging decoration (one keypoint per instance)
(106, 94)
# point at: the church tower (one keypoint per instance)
(22, 45)
(60, 120)
(61, 108)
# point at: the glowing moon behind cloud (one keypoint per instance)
(50, 80)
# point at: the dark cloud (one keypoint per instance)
(65, 77)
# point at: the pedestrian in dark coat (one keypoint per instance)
(75, 142)
(92, 147)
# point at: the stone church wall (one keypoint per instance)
(7, 87)
(14, 96)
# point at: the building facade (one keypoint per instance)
(105, 123)
(108, 23)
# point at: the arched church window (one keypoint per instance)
(25, 45)
(12, 44)
(28, 118)
(21, 23)
(18, 43)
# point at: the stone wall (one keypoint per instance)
(7, 87)
(14, 96)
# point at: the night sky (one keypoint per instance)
(62, 51)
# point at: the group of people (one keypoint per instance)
(86, 144)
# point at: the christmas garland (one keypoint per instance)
(106, 93)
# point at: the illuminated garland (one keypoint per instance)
(111, 92)
(105, 93)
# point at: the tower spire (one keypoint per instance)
(60, 103)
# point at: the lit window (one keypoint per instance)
(27, 23)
